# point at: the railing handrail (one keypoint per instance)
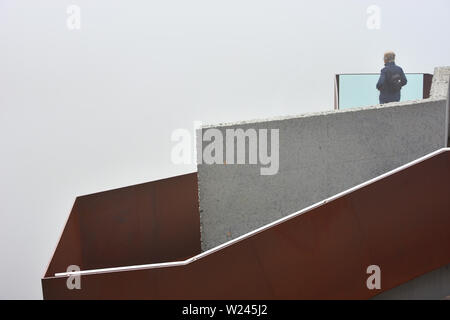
(256, 231)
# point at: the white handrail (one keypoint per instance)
(251, 233)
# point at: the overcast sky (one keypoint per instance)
(90, 109)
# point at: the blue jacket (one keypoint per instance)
(386, 95)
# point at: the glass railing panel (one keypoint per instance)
(359, 90)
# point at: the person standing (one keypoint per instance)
(391, 81)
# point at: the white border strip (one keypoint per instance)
(447, 115)
(256, 231)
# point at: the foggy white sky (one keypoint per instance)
(87, 110)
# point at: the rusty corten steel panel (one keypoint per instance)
(147, 223)
(401, 223)
(336, 92)
(427, 81)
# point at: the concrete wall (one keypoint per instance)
(439, 86)
(440, 89)
(319, 155)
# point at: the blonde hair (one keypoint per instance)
(389, 57)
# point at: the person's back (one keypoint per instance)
(392, 79)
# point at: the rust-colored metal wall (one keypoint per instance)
(152, 222)
(400, 223)
(427, 81)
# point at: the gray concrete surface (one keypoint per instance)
(319, 155)
(440, 83)
(440, 89)
(434, 285)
